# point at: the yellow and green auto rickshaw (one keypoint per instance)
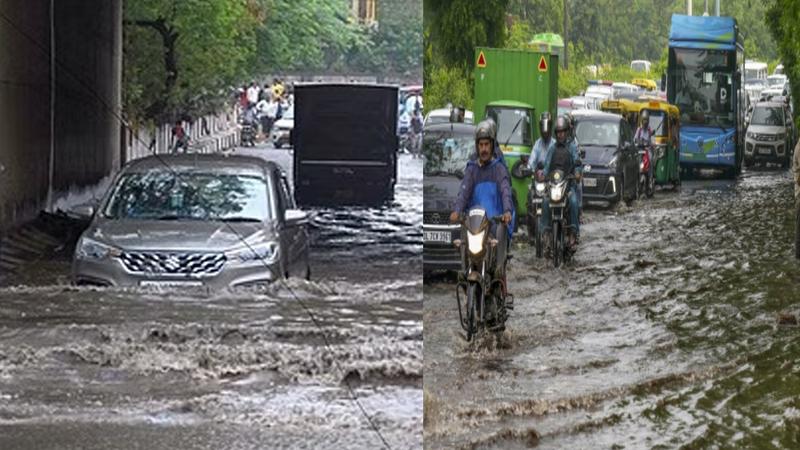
(665, 123)
(644, 83)
(628, 109)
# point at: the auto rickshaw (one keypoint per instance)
(665, 122)
(644, 83)
(628, 109)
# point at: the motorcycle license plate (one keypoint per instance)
(442, 237)
(765, 151)
(590, 182)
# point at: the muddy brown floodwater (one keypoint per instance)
(663, 333)
(107, 369)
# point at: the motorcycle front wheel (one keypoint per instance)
(538, 242)
(558, 244)
(472, 300)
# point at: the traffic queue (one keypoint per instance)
(617, 142)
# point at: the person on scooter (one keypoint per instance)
(644, 134)
(543, 144)
(560, 157)
(486, 184)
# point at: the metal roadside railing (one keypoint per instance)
(207, 134)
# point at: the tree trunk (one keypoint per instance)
(169, 36)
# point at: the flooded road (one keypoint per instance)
(663, 333)
(100, 369)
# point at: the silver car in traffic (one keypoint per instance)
(194, 221)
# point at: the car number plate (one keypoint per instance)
(170, 283)
(437, 236)
(764, 151)
(590, 182)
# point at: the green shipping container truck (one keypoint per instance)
(514, 87)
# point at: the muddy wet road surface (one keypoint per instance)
(103, 369)
(663, 333)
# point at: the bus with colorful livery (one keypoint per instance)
(704, 80)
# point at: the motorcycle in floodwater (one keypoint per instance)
(483, 301)
(535, 201)
(647, 180)
(558, 188)
(248, 134)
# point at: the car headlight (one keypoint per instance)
(556, 193)
(613, 163)
(266, 252)
(751, 135)
(780, 136)
(475, 242)
(89, 248)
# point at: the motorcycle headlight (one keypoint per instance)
(475, 242)
(266, 252)
(89, 248)
(557, 193)
(540, 188)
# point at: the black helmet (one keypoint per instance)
(645, 116)
(562, 124)
(545, 125)
(486, 129)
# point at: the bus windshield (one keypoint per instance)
(703, 86)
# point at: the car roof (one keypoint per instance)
(769, 104)
(456, 127)
(207, 163)
(595, 114)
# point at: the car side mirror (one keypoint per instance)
(295, 217)
(83, 212)
(582, 153)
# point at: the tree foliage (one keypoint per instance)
(182, 55)
(783, 17)
(179, 54)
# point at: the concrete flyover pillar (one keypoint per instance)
(84, 146)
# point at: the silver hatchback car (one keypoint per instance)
(194, 221)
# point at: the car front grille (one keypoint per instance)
(173, 263)
(435, 218)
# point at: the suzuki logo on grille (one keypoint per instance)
(172, 262)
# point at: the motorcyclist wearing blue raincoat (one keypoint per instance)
(544, 143)
(486, 184)
(561, 157)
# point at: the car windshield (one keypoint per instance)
(433, 120)
(703, 86)
(514, 125)
(597, 132)
(161, 195)
(446, 153)
(767, 115)
(776, 81)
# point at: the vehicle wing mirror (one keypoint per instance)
(582, 153)
(295, 217)
(84, 212)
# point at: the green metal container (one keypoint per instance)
(514, 87)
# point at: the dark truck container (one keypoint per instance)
(345, 144)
